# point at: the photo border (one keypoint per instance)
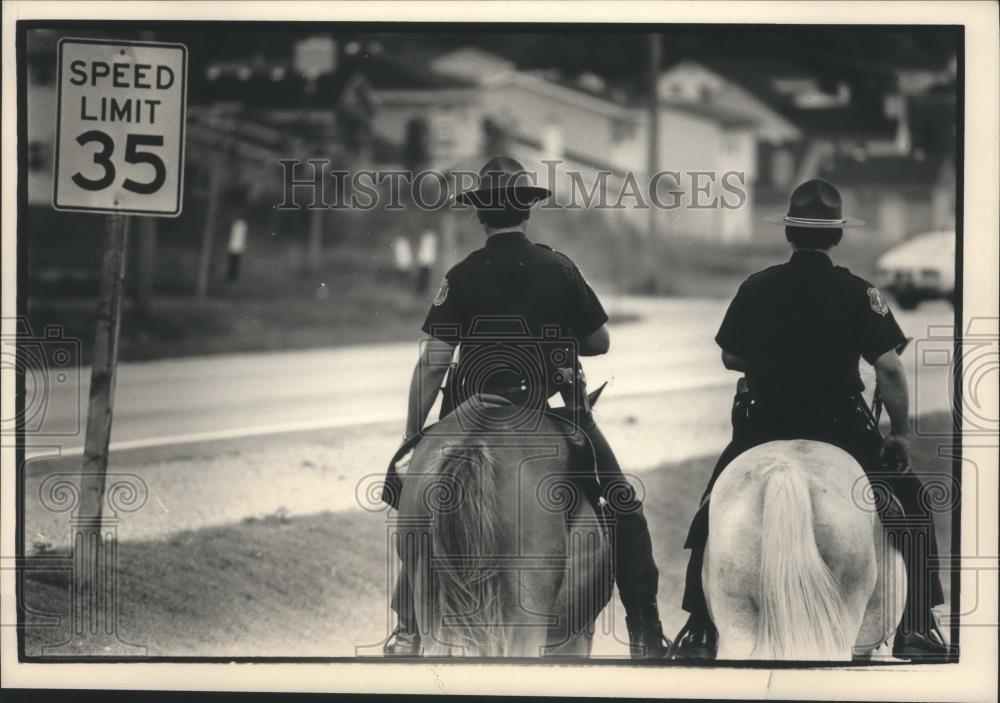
(685, 678)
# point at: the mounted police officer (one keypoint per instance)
(798, 330)
(517, 288)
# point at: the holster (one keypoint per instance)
(743, 409)
(574, 394)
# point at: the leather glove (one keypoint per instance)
(896, 453)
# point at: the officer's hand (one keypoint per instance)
(896, 452)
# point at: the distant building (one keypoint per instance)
(695, 84)
(592, 132)
(897, 196)
(892, 151)
(473, 65)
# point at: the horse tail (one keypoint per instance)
(802, 613)
(468, 530)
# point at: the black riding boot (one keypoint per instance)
(635, 569)
(920, 646)
(645, 633)
(698, 639)
(918, 636)
(405, 639)
(910, 527)
(637, 577)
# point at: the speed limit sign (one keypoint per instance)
(120, 138)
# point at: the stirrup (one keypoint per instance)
(685, 628)
(402, 644)
(676, 651)
(649, 650)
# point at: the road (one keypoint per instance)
(669, 349)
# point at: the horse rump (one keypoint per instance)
(801, 610)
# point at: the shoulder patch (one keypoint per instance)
(877, 302)
(442, 293)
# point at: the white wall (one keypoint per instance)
(531, 110)
(454, 122)
(602, 132)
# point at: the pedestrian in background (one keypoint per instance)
(237, 245)
(402, 257)
(426, 258)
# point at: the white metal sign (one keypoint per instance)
(120, 134)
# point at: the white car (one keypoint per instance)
(921, 268)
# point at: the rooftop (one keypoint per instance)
(276, 85)
(717, 113)
(896, 170)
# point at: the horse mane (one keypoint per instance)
(466, 548)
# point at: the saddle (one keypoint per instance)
(581, 449)
(749, 421)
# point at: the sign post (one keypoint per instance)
(103, 371)
(119, 152)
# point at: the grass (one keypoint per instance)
(180, 327)
(317, 585)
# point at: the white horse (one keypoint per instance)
(797, 565)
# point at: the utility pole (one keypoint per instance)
(314, 253)
(208, 226)
(652, 164)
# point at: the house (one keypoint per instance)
(896, 195)
(810, 124)
(708, 139)
(690, 82)
(596, 134)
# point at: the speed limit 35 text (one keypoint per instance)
(137, 76)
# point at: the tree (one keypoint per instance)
(494, 137)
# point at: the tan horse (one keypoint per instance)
(506, 555)
(797, 565)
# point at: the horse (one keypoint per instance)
(798, 566)
(506, 554)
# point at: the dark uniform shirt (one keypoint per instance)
(513, 305)
(802, 327)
